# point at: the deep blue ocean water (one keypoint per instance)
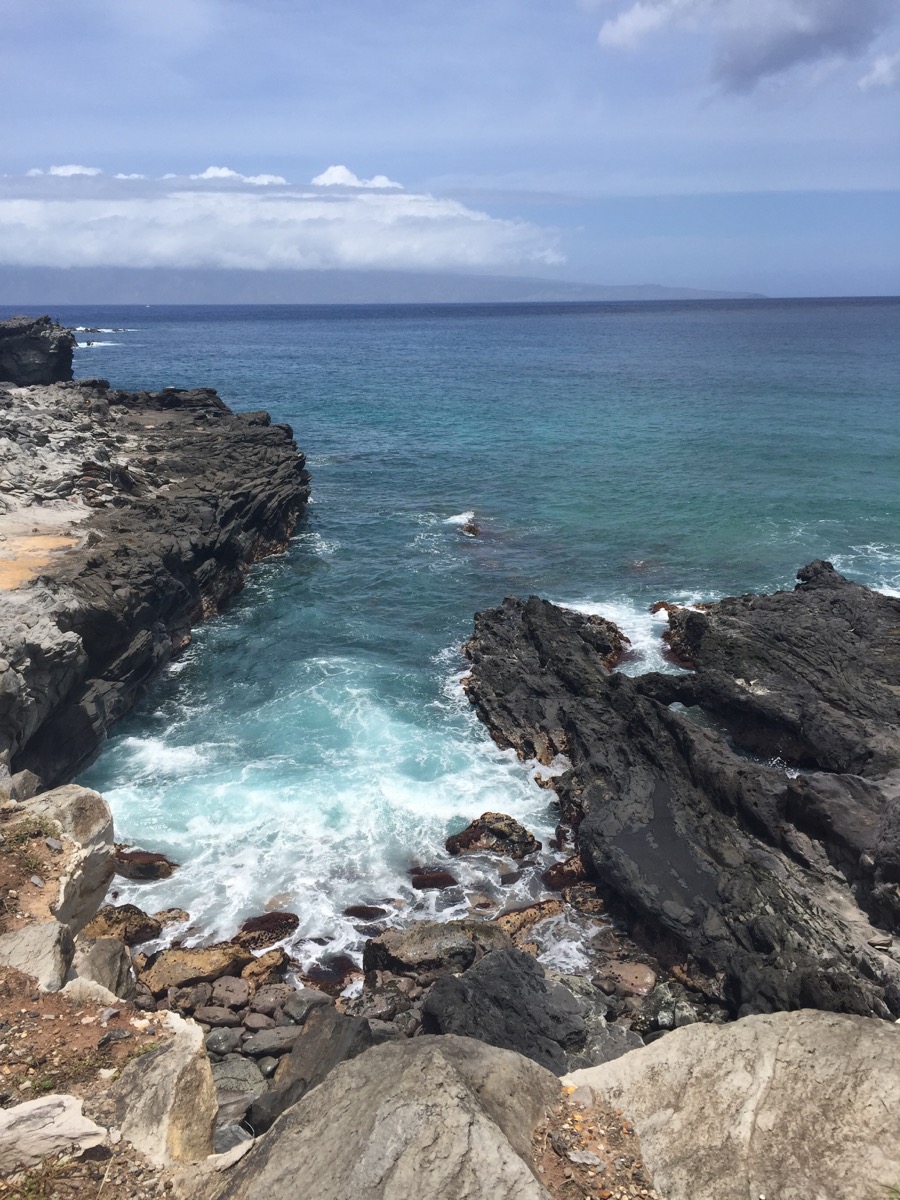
(314, 742)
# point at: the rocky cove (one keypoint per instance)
(727, 843)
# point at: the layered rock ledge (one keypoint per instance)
(35, 350)
(125, 518)
(744, 814)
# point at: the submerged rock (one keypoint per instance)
(772, 883)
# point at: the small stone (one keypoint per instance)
(223, 1041)
(36, 880)
(267, 1065)
(114, 1035)
(53, 844)
(216, 1016)
(256, 1021)
(271, 1042)
(230, 992)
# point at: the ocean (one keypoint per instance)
(314, 742)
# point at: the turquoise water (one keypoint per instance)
(314, 743)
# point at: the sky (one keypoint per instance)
(748, 145)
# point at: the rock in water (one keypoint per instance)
(34, 350)
(447, 1118)
(775, 883)
(497, 833)
(792, 1106)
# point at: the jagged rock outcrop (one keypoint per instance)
(779, 885)
(798, 1106)
(35, 350)
(445, 1117)
(139, 514)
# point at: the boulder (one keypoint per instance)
(52, 1125)
(105, 961)
(797, 1105)
(143, 865)
(125, 921)
(257, 933)
(506, 1001)
(86, 820)
(436, 1117)
(238, 1082)
(165, 1101)
(497, 833)
(429, 949)
(328, 1038)
(44, 950)
(181, 967)
(301, 1003)
(230, 992)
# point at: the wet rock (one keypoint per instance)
(332, 973)
(301, 1003)
(124, 921)
(267, 968)
(257, 933)
(365, 912)
(497, 833)
(327, 1038)
(267, 1065)
(564, 874)
(172, 916)
(427, 881)
(430, 949)
(143, 864)
(722, 858)
(181, 967)
(517, 922)
(506, 1001)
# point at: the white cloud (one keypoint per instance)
(227, 173)
(758, 39)
(226, 222)
(883, 73)
(121, 176)
(339, 176)
(67, 171)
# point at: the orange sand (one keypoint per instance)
(22, 556)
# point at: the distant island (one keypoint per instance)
(121, 285)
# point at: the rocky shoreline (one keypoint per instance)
(728, 846)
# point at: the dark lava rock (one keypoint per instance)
(365, 912)
(230, 992)
(497, 833)
(257, 933)
(213, 1014)
(270, 1042)
(429, 949)
(143, 864)
(770, 882)
(506, 1001)
(256, 1021)
(426, 880)
(223, 1041)
(271, 997)
(298, 1006)
(328, 1038)
(33, 350)
(332, 973)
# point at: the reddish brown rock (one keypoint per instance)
(425, 881)
(142, 864)
(518, 921)
(497, 833)
(126, 922)
(626, 979)
(181, 967)
(564, 874)
(258, 932)
(267, 968)
(365, 912)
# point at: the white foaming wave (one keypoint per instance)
(321, 546)
(94, 345)
(642, 628)
(462, 518)
(150, 756)
(875, 564)
(96, 329)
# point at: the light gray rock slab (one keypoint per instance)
(86, 820)
(43, 950)
(105, 961)
(50, 1125)
(166, 1100)
(791, 1106)
(444, 1117)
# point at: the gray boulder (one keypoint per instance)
(85, 819)
(430, 949)
(105, 961)
(51, 1125)
(43, 950)
(505, 1000)
(239, 1082)
(796, 1105)
(433, 1117)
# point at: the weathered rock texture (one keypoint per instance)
(798, 1106)
(444, 1117)
(34, 350)
(36, 1129)
(84, 818)
(143, 512)
(782, 887)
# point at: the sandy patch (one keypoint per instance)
(29, 538)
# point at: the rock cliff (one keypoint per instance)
(125, 518)
(34, 350)
(745, 814)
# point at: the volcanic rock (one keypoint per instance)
(125, 921)
(775, 883)
(143, 864)
(180, 967)
(497, 833)
(34, 350)
(257, 933)
(429, 949)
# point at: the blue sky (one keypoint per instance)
(738, 144)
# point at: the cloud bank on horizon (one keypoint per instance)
(75, 216)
